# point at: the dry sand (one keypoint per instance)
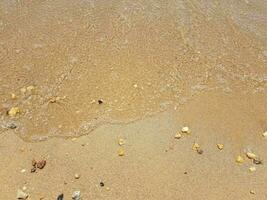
(75, 78)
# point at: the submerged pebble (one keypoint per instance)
(60, 197)
(220, 146)
(177, 136)
(186, 130)
(239, 159)
(76, 195)
(121, 152)
(121, 142)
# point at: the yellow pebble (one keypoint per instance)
(121, 152)
(195, 146)
(251, 155)
(186, 130)
(13, 111)
(177, 136)
(220, 146)
(121, 142)
(239, 159)
(252, 169)
(13, 96)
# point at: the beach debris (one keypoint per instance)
(100, 101)
(76, 195)
(265, 134)
(177, 136)
(220, 146)
(41, 164)
(14, 111)
(77, 176)
(101, 184)
(60, 197)
(239, 159)
(21, 195)
(12, 125)
(121, 142)
(121, 152)
(252, 169)
(186, 130)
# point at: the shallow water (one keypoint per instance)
(138, 57)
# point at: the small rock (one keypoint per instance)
(265, 134)
(177, 136)
(77, 176)
(200, 151)
(33, 169)
(239, 159)
(23, 171)
(121, 152)
(13, 111)
(252, 169)
(34, 163)
(107, 188)
(12, 125)
(24, 188)
(252, 192)
(220, 146)
(100, 101)
(41, 164)
(102, 184)
(251, 155)
(76, 195)
(121, 142)
(195, 146)
(13, 96)
(60, 197)
(22, 195)
(186, 130)
(257, 161)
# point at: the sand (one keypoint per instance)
(76, 78)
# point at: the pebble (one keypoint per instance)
(177, 136)
(60, 197)
(24, 188)
(252, 169)
(239, 159)
(200, 151)
(121, 142)
(77, 176)
(107, 188)
(102, 184)
(30, 88)
(220, 146)
(13, 96)
(21, 195)
(121, 152)
(257, 161)
(23, 171)
(76, 195)
(12, 126)
(251, 155)
(186, 130)
(252, 192)
(265, 134)
(41, 164)
(195, 146)
(13, 111)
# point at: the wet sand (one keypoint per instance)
(76, 78)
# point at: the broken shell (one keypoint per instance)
(185, 130)
(121, 152)
(21, 195)
(121, 142)
(252, 169)
(239, 159)
(13, 111)
(220, 146)
(177, 136)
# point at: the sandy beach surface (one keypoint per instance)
(146, 100)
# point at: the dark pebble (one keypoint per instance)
(100, 101)
(102, 184)
(60, 197)
(12, 126)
